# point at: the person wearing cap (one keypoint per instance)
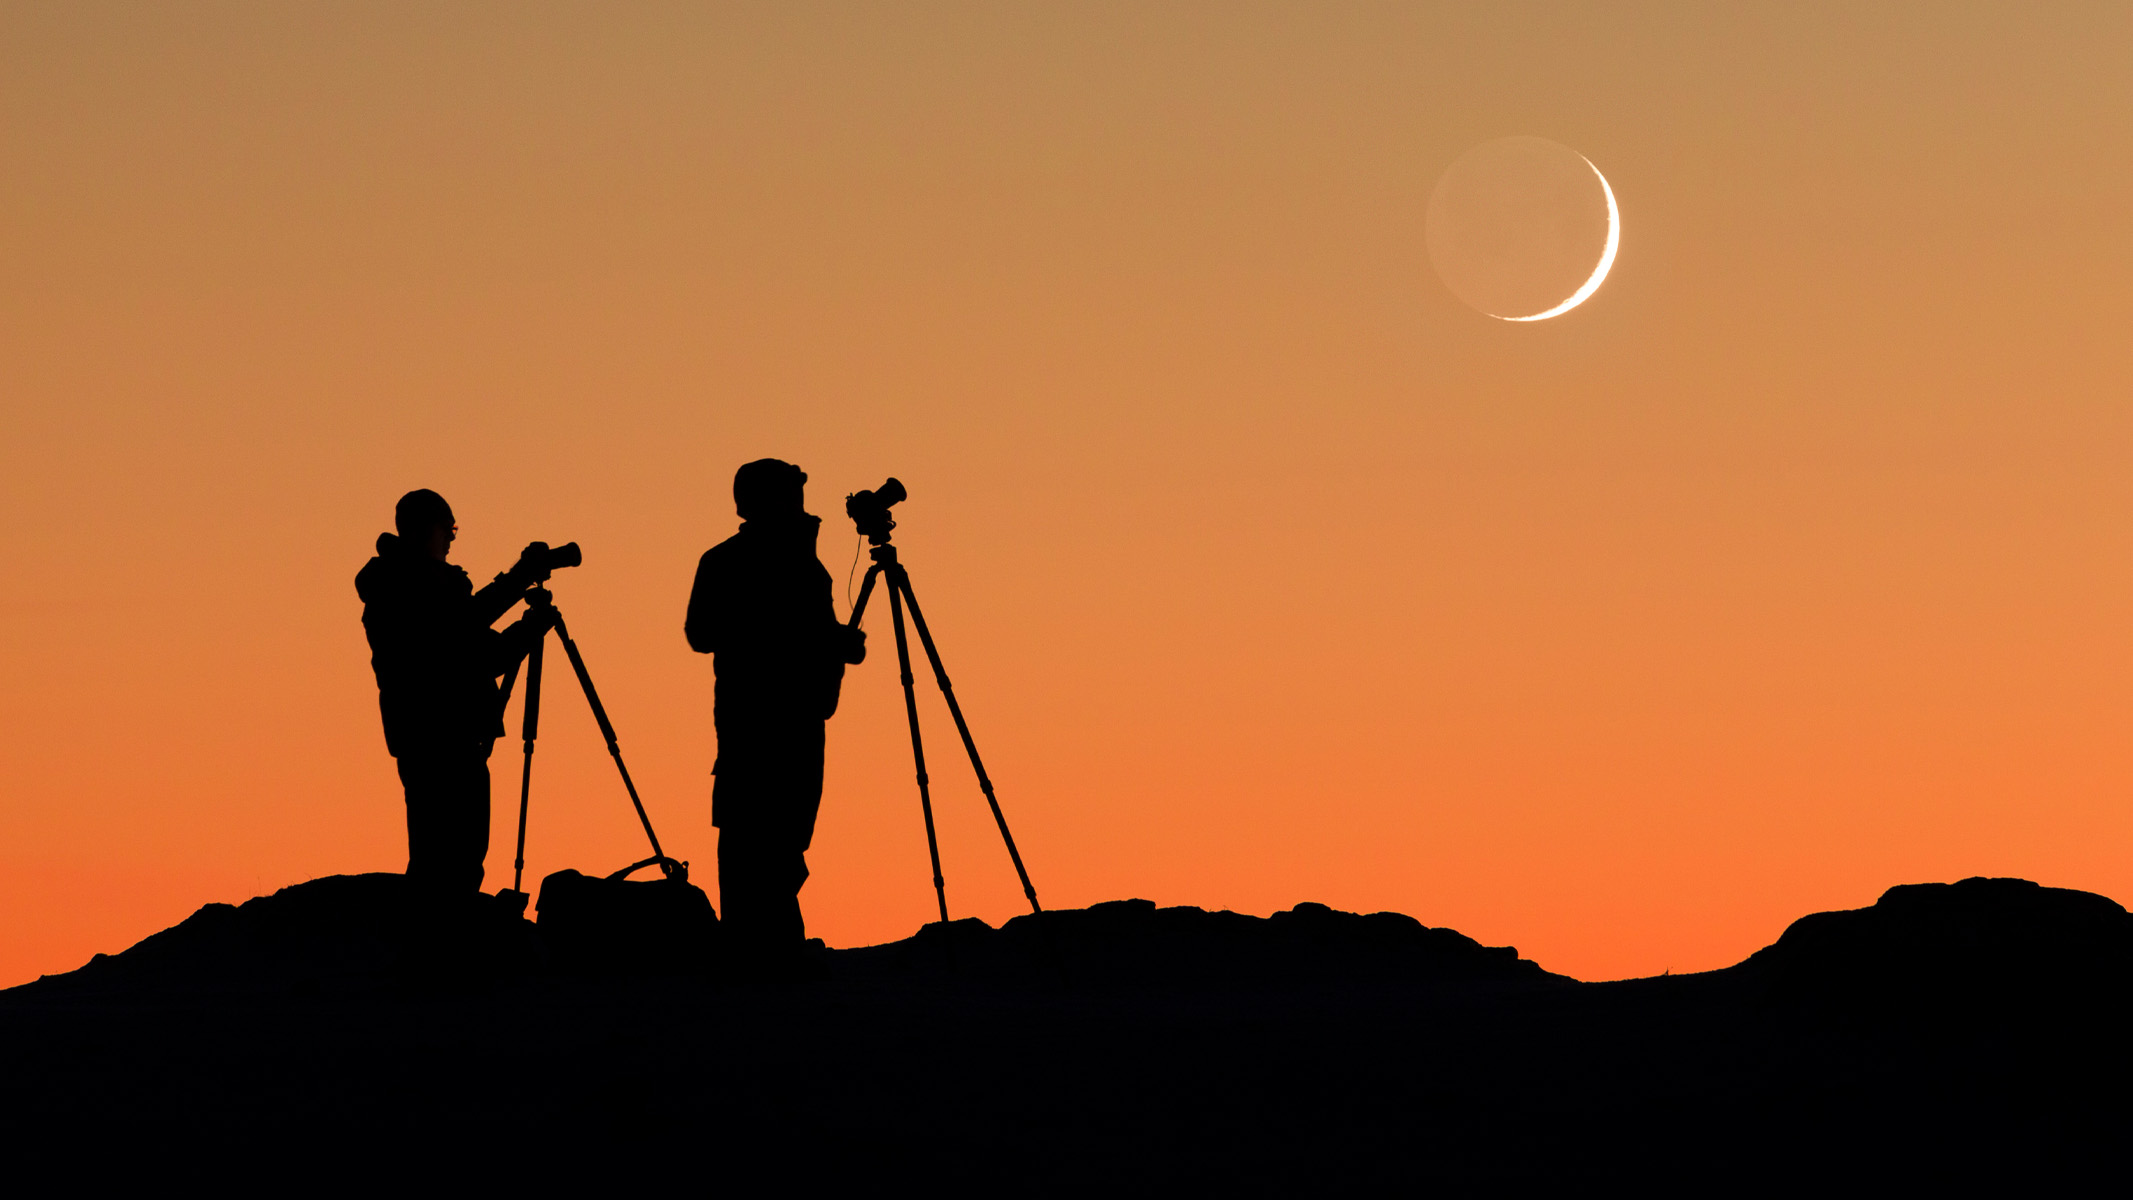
(437, 660)
(761, 608)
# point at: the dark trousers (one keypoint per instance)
(759, 878)
(447, 817)
(764, 802)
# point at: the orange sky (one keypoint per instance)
(1793, 565)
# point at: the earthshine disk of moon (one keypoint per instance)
(1522, 228)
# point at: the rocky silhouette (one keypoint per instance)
(1977, 941)
(1968, 1033)
(359, 933)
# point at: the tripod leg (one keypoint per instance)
(866, 591)
(510, 682)
(525, 780)
(918, 749)
(900, 582)
(607, 730)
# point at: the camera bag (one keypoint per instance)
(617, 925)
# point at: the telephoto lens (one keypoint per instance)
(565, 555)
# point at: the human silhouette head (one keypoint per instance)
(769, 488)
(425, 522)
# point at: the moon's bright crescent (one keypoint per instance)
(1607, 258)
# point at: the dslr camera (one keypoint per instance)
(870, 510)
(539, 559)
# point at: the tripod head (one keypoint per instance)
(541, 609)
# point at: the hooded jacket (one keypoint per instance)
(431, 646)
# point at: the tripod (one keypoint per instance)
(901, 595)
(540, 600)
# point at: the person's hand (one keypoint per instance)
(852, 644)
(532, 564)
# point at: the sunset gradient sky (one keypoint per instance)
(1795, 564)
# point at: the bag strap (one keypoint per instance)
(675, 870)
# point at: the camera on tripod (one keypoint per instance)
(541, 602)
(546, 560)
(870, 510)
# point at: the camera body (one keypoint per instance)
(870, 510)
(540, 559)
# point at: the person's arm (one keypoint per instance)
(706, 619)
(843, 643)
(509, 647)
(507, 589)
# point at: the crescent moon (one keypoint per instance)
(1607, 257)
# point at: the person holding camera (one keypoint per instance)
(761, 608)
(437, 660)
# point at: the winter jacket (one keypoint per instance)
(431, 646)
(761, 607)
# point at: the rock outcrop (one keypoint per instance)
(353, 931)
(334, 933)
(1133, 941)
(1923, 948)
(1954, 949)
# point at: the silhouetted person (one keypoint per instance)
(761, 606)
(437, 662)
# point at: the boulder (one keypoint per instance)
(1975, 947)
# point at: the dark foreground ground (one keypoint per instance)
(1969, 1035)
